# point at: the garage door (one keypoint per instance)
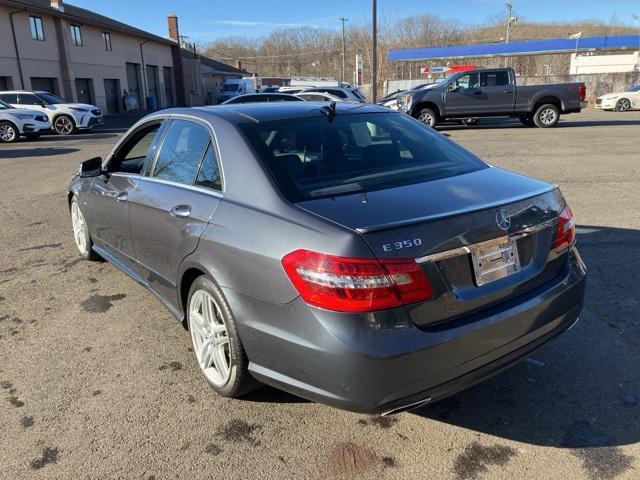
(168, 86)
(46, 84)
(133, 82)
(5, 83)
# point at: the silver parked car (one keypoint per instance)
(345, 253)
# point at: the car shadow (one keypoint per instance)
(490, 124)
(75, 136)
(582, 390)
(36, 152)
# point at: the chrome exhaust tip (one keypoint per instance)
(404, 408)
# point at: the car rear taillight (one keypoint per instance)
(565, 230)
(355, 284)
(582, 92)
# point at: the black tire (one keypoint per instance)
(526, 120)
(546, 116)
(64, 125)
(623, 105)
(469, 121)
(32, 136)
(240, 381)
(85, 249)
(428, 116)
(9, 133)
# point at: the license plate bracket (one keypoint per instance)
(494, 259)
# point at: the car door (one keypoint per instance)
(464, 96)
(172, 204)
(108, 196)
(499, 93)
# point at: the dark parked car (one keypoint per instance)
(263, 98)
(346, 253)
(493, 92)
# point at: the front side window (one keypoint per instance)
(106, 39)
(470, 80)
(37, 30)
(29, 99)
(76, 35)
(495, 79)
(634, 88)
(182, 149)
(354, 153)
(50, 99)
(131, 156)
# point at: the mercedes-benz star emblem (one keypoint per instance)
(503, 219)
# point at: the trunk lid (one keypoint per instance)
(438, 222)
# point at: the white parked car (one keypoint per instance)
(65, 117)
(319, 97)
(623, 101)
(19, 121)
(347, 94)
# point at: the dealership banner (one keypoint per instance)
(447, 69)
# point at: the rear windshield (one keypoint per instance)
(313, 158)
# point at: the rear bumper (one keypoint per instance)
(379, 362)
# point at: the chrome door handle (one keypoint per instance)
(180, 211)
(122, 197)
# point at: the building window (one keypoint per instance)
(76, 36)
(106, 39)
(37, 31)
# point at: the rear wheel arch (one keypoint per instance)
(190, 275)
(548, 99)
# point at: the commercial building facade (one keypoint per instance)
(85, 57)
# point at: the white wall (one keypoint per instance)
(603, 63)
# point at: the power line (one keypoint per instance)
(251, 57)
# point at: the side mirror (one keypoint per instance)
(452, 87)
(91, 168)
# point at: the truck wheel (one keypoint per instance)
(526, 120)
(623, 105)
(546, 116)
(428, 116)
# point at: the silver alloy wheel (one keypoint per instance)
(79, 228)
(548, 116)
(7, 132)
(210, 338)
(63, 125)
(426, 118)
(623, 105)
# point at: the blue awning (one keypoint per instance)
(535, 47)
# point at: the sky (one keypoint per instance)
(206, 20)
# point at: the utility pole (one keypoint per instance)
(342, 19)
(510, 21)
(374, 60)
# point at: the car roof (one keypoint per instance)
(266, 112)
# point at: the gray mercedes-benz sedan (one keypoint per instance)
(345, 253)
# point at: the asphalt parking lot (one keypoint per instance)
(97, 379)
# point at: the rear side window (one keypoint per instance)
(314, 158)
(28, 99)
(209, 174)
(181, 152)
(9, 97)
(495, 79)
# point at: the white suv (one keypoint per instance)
(65, 117)
(18, 121)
